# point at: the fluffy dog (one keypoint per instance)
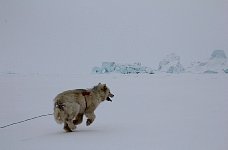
(71, 105)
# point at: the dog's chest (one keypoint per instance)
(91, 107)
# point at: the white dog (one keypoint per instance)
(71, 105)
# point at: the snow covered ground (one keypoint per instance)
(49, 46)
(159, 111)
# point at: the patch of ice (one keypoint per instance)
(217, 63)
(225, 70)
(210, 72)
(171, 64)
(218, 54)
(109, 67)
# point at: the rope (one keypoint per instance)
(25, 120)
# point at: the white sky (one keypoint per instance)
(49, 36)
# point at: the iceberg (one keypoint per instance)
(171, 64)
(217, 63)
(218, 54)
(225, 70)
(112, 67)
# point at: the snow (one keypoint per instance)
(50, 46)
(159, 111)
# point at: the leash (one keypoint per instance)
(14, 123)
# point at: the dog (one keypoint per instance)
(70, 106)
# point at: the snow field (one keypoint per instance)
(160, 111)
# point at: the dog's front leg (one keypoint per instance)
(91, 117)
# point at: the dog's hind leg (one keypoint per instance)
(78, 119)
(72, 111)
(69, 126)
(66, 127)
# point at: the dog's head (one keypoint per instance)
(105, 92)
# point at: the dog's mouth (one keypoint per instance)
(108, 98)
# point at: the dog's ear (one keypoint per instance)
(104, 87)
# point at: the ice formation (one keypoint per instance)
(108, 67)
(171, 64)
(217, 63)
(218, 54)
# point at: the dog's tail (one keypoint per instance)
(59, 112)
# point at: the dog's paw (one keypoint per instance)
(67, 129)
(88, 122)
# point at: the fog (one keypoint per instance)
(53, 36)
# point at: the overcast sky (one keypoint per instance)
(44, 36)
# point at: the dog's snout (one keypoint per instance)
(111, 95)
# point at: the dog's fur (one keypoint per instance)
(71, 105)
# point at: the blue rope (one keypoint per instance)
(25, 120)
